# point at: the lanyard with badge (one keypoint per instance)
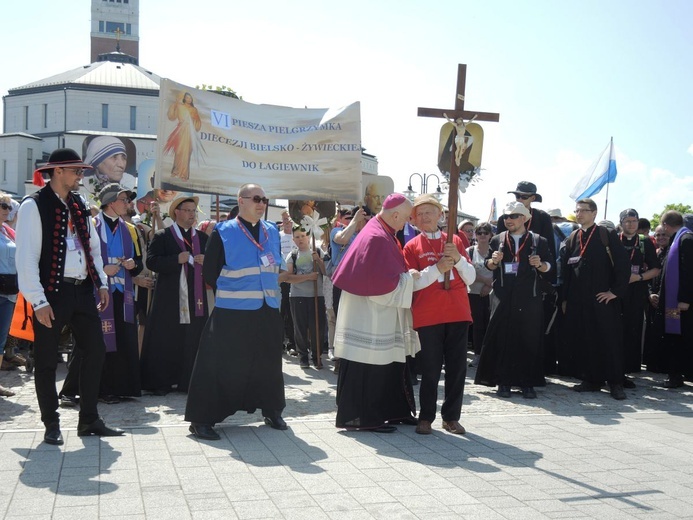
(72, 243)
(267, 259)
(576, 259)
(635, 269)
(512, 267)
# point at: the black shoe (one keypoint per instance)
(503, 391)
(204, 431)
(160, 392)
(529, 393)
(587, 387)
(304, 363)
(673, 382)
(409, 421)
(53, 435)
(628, 383)
(617, 392)
(276, 422)
(385, 428)
(98, 428)
(68, 401)
(110, 399)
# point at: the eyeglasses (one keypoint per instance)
(482, 233)
(5, 206)
(257, 199)
(77, 171)
(513, 216)
(522, 197)
(584, 210)
(656, 234)
(126, 200)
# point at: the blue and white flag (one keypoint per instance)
(602, 171)
(493, 215)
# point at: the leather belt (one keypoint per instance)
(74, 281)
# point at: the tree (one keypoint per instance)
(681, 208)
(223, 90)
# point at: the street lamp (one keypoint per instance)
(424, 178)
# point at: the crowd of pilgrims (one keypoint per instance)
(525, 326)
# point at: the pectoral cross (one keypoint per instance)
(458, 113)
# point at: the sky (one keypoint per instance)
(565, 77)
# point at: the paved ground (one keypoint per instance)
(563, 455)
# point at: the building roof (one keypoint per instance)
(101, 73)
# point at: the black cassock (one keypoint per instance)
(594, 331)
(239, 364)
(169, 347)
(512, 349)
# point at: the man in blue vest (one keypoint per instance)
(239, 362)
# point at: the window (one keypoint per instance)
(128, 28)
(29, 163)
(45, 115)
(4, 170)
(133, 118)
(101, 26)
(112, 27)
(104, 116)
(26, 118)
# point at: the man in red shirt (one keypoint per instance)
(441, 317)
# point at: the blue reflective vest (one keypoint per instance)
(245, 281)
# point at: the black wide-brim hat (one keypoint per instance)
(527, 188)
(64, 158)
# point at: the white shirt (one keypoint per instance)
(29, 243)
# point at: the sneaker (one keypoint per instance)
(304, 363)
(330, 354)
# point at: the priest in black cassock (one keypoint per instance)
(239, 364)
(596, 271)
(674, 301)
(179, 306)
(511, 354)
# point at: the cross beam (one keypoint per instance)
(459, 110)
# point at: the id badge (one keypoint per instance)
(267, 259)
(510, 267)
(71, 246)
(635, 269)
(574, 260)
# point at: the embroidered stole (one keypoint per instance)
(183, 301)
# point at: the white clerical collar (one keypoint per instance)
(112, 219)
(435, 234)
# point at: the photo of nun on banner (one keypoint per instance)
(112, 160)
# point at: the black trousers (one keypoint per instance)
(74, 305)
(285, 310)
(303, 312)
(444, 343)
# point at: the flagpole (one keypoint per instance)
(606, 202)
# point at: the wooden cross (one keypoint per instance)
(457, 113)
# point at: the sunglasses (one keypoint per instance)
(522, 197)
(483, 233)
(513, 216)
(5, 206)
(257, 199)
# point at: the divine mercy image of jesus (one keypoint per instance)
(184, 141)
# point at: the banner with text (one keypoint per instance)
(212, 143)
